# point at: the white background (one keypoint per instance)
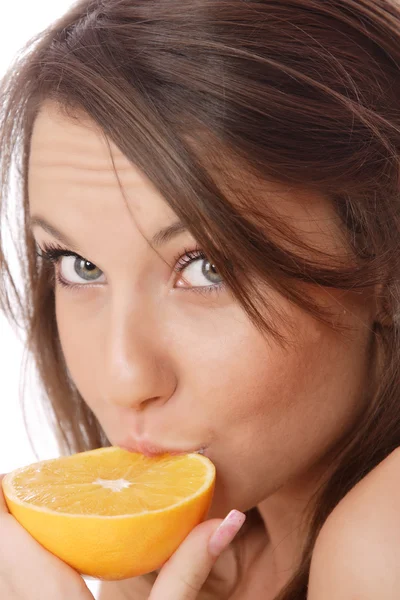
(21, 19)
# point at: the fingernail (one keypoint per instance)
(226, 532)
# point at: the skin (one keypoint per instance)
(156, 360)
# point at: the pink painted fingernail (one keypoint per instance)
(226, 532)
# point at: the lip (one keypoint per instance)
(151, 450)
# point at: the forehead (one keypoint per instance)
(58, 141)
(70, 161)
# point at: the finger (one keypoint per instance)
(3, 505)
(183, 576)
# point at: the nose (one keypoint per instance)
(138, 368)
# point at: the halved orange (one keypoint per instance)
(110, 513)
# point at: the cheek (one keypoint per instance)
(80, 342)
(281, 411)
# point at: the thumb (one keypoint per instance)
(184, 574)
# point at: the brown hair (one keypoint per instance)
(303, 93)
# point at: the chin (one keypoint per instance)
(222, 503)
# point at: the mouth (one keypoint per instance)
(151, 450)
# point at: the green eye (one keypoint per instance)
(86, 270)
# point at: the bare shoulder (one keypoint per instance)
(137, 588)
(357, 553)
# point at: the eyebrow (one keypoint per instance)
(161, 238)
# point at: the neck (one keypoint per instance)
(272, 541)
(285, 518)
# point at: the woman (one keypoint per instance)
(211, 214)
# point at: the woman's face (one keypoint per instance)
(171, 358)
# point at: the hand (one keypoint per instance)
(184, 574)
(28, 571)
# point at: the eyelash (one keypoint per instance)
(53, 253)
